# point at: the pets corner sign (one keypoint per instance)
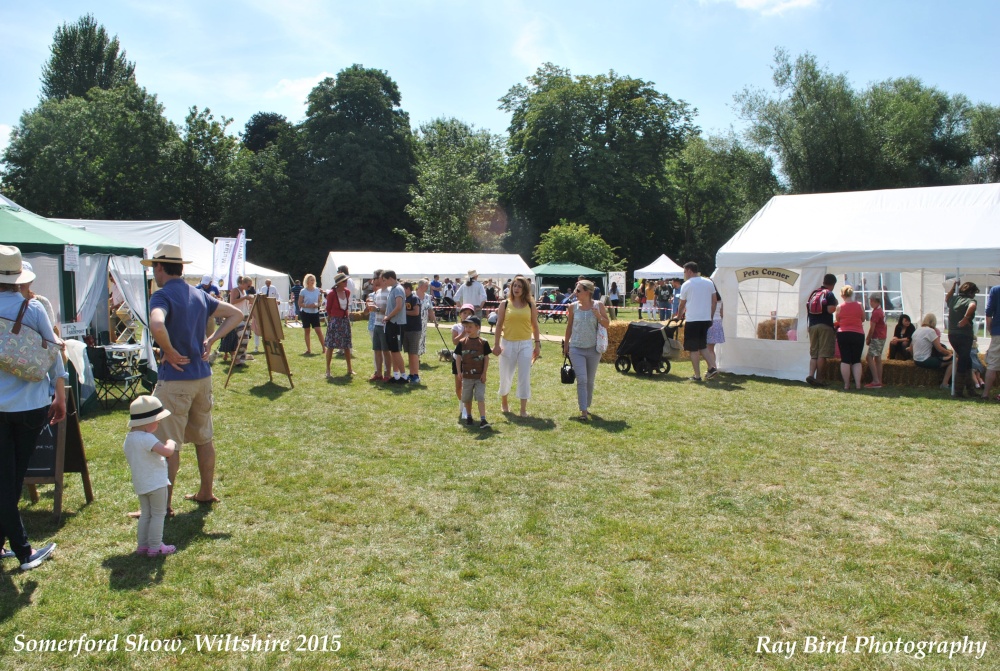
(789, 277)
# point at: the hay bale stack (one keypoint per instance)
(765, 329)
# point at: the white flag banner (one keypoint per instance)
(230, 259)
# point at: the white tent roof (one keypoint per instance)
(661, 269)
(194, 245)
(414, 265)
(945, 227)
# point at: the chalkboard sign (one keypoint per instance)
(59, 450)
(43, 461)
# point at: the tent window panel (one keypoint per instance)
(887, 286)
(767, 309)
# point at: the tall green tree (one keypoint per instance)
(718, 185)
(592, 149)
(567, 242)
(84, 56)
(985, 137)
(201, 159)
(827, 136)
(361, 163)
(265, 194)
(264, 129)
(100, 156)
(454, 202)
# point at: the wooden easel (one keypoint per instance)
(265, 311)
(59, 450)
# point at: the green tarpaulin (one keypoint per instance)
(32, 233)
(565, 270)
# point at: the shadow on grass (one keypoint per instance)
(609, 425)
(132, 572)
(536, 423)
(39, 520)
(341, 380)
(269, 390)
(13, 599)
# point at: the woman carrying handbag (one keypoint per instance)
(26, 404)
(583, 320)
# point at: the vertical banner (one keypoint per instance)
(229, 259)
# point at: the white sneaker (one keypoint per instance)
(38, 556)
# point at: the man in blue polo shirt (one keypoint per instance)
(179, 321)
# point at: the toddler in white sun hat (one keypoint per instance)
(147, 460)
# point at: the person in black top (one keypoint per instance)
(901, 338)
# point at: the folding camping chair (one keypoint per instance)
(115, 381)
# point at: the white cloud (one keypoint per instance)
(529, 44)
(295, 90)
(766, 7)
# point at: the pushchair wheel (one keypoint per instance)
(664, 367)
(623, 364)
(642, 367)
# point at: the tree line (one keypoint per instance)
(595, 169)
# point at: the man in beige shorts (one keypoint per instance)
(822, 336)
(180, 319)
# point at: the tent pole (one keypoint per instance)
(954, 355)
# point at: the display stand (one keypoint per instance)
(59, 450)
(265, 311)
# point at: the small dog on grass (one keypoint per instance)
(445, 355)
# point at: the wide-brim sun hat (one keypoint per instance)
(165, 253)
(340, 277)
(146, 410)
(473, 274)
(12, 270)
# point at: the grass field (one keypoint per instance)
(671, 532)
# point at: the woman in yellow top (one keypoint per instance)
(517, 327)
(651, 299)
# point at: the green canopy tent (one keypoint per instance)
(82, 295)
(37, 236)
(563, 270)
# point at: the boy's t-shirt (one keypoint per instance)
(878, 328)
(413, 321)
(472, 352)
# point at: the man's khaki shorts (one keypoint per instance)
(821, 341)
(190, 406)
(993, 354)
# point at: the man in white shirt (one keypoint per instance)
(472, 292)
(698, 299)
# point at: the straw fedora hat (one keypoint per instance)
(146, 410)
(12, 270)
(165, 253)
(473, 275)
(341, 277)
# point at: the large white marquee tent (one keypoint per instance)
(417, 265)
(767, 270)
(194, 245)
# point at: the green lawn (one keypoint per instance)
(670, 533)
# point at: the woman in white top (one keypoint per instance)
(928, 352)
(309, 303)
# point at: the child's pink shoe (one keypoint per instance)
(162, 551)
(142, 550)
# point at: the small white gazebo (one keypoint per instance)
(662, 268)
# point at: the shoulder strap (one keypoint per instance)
(20, 317)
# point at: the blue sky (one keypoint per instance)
(457, 57)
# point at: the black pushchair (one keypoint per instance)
(648, 347)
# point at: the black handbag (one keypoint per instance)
(566, 374)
